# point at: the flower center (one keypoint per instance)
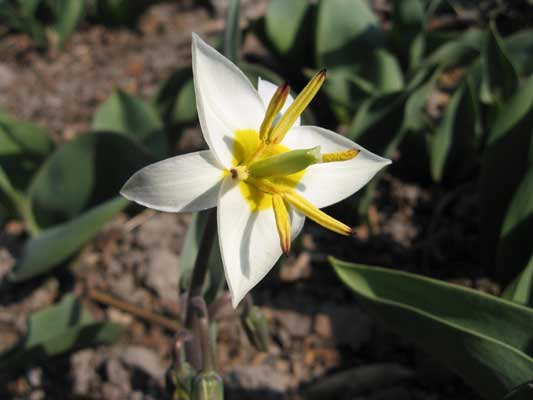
(245, 151)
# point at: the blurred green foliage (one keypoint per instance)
(55, 20)
(381, 78)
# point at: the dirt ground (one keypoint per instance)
(317, 328)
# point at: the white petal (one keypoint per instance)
(266, 90)
(329, 183)
(249, 241)
(190, 182)
(225, 99)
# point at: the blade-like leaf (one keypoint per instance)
(55, 245)
(175, 99)
(519, 46)
(67, 14)
(521, 289)
(408, 20)
(505, 162)
(515, 249)
(499, 77)
(484, 339)
(523, 392)
(232, 33)
(347, 31)
(129, 115)
(23, 148)
(285, 23)
(83, 173)
(58, 329)
(453, 147)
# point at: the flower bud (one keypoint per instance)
(285, 163)
(208, 386)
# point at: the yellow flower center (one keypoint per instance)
(245, 150)
(267, 171)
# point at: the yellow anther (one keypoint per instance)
(283, 222)
(290, 116)
(273, 109)
(320, 217)
(340, 155)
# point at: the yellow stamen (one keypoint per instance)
(340, 155)
(263, 185)
(290, 116)
(283, 223)
(273, 109)
(320, 217)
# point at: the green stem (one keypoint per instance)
(199, 274)
(201, 264)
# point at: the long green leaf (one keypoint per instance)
(499, 77)
(83, 173)
(453, 149)
(521, 289)
(347, 31)
(58, 329)
(232, 33)
(55, 245)
(128, 115)
(515, 248)
(175, 99)
(484, 339)
(286, 25)
(68, 15)
(505, 161)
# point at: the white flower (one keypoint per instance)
(263, 187)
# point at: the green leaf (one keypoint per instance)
(347, 31)
(120, 12)
(408, 20)
(125, 114)
(519, 46)
(521, 289)
(232, 33)
(515, 249)
(67, 15)
(505, 162)
(23, 148)
(189, 253)
(286, 23)
(83, 173)
(378, 120)
(58, 329)
(175, 99)
(453, 152)
(55, 245)
(523, 392)
(484, 339)
(455, 52)
(499, 77)
(255, 71)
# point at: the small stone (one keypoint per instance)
(258, 378)
(298, 325)
(144, 359)
(162, 273)
(117, 375)
(35, 377)
(82, 367)
(300, 268)
(323, 326)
